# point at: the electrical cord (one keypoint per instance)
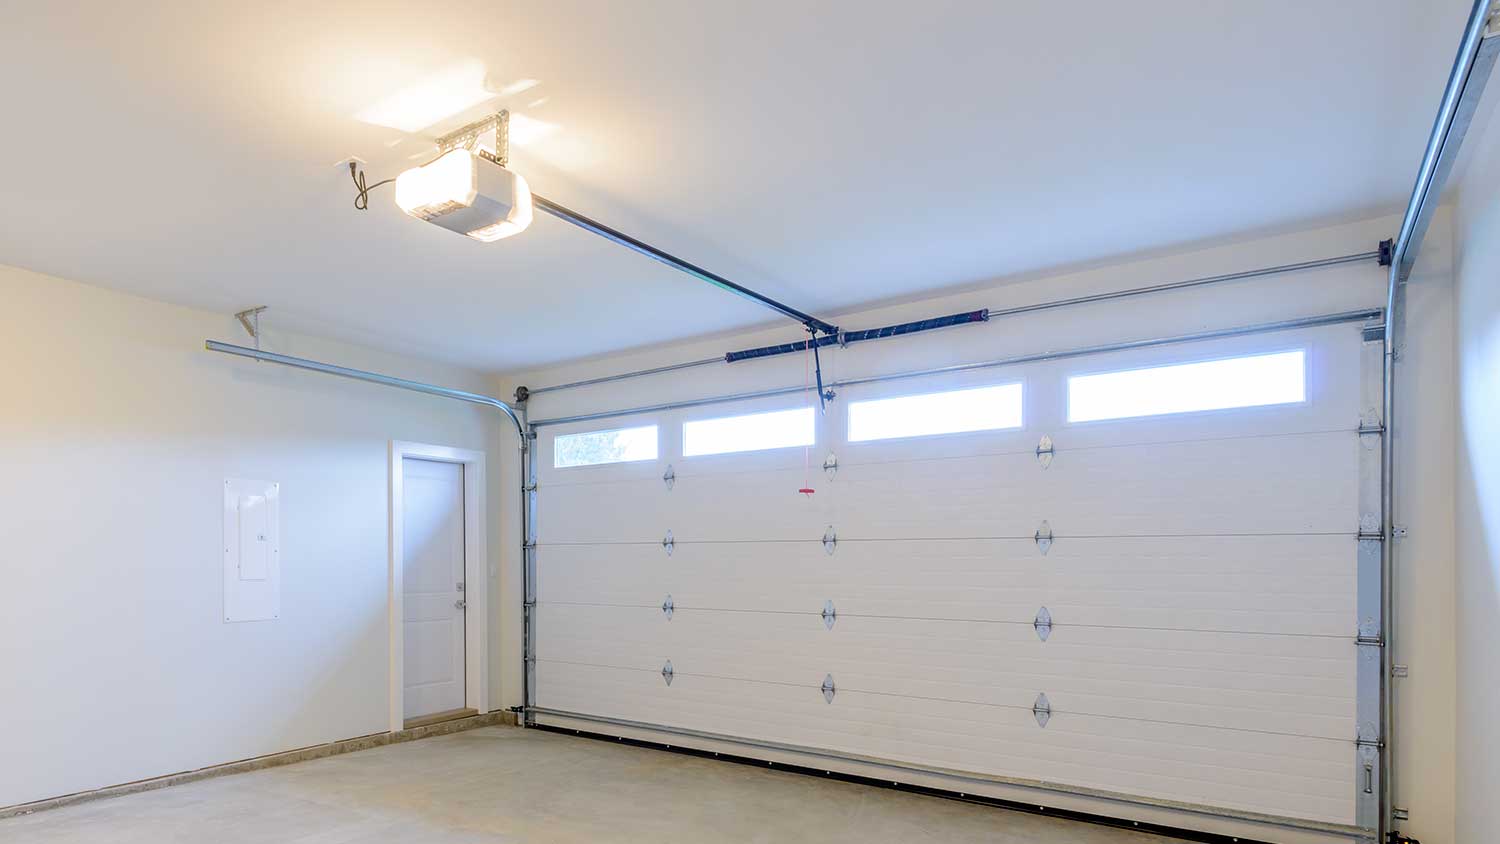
(362, 199)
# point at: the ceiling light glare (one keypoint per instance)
(463, 193)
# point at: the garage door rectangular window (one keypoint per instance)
(751, 432)
(593, 448)
(1252, 381)
(951, 412)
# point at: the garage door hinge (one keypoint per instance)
(670, 477)
(531, 487)
(528, 546)
(831, 465)
(1044, 451)
(828, 689)
(669, 543)
(829, 614)
(1042, 709)
(666, 672)
(1369, 529)
(1043, 537)
(830, 540)
(667, 607)
(1042, 624)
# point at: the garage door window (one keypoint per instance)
(951, 412)
(593, 448)
(1252, 381)
(751, 432)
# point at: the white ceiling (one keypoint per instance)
(829, 154)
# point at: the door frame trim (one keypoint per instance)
(476, 579)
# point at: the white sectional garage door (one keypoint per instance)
(1200, 583)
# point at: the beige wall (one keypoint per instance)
(1425, 624)
(1477, 242)
(117, 430)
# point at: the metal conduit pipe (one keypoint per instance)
(1471, 70)
(973, 316)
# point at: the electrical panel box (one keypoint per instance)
(252, 550)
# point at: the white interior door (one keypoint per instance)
(432, 586)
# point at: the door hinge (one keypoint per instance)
(1045, 451)
(1042, 624)
(1043, 538)
(1042, 709)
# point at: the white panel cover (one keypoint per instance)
(252, 550)
(1200, 583)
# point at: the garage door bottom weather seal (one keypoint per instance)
(1349, 832)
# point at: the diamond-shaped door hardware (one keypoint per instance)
(667, 607)
(666, 672)
(828, 689)
(1042, 624)
(829, 614)
(1043, 537)
(670, 477)
(830, 540)
(669, 543)
(831, 465)
(1044, 451)
(1042, 709)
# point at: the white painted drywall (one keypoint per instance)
(1426, 740)
(117, 431)
(1477, 281)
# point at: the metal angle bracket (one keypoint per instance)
(828, 689)
(1042, 709)
(831, 465)
(1042, 624)
(830, 615)
(830, 540)
(250, 319)
(468, 136)
(1043, 537)
(667, 672)
(1045, 451)
(669, 477)
(669, 543)
(668, 606)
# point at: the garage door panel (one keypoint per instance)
(800, 650)
(621, 511)
(739, 506)
(1253, 486)
(1166, 761)
(1137, 582)
(789, 647)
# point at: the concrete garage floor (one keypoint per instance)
(502, 784)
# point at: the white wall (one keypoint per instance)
(1477, 242)
(116, 432)
(1426, 741)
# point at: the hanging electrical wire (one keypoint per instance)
(362, 199)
